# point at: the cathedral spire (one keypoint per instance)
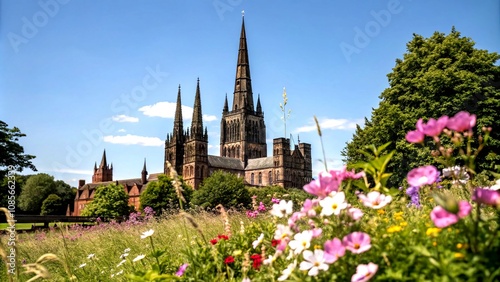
(178, 126)
(144, 173)
(225, 109)
(104, 163)
(243, 97)
(197, 121)
(259, 107)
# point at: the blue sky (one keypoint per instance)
(78, 77)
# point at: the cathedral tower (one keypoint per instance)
(104, 172)
(196, 147)
(243, 132)
(174, 145)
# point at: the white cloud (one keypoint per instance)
(319, 165)
(121, 130)
(72, 171)
(213, 149)
(130, 139)
(167, 110)
(124, 118)
(329, 123)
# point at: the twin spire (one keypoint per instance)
(196, 130)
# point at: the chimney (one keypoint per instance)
(81, 182)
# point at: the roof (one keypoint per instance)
(260, 163)
(225, 162)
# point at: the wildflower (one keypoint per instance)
(126, 250)
(357, 242)
(333, 204)
(432, 231)
(119, 272)
(414, 195)
(375, 199)
(364, 272)
(345, 174)
(288, 271)
(324, 185)
(181, 270)
(458, 174)
(403, 224)
(314, 262)
(246, 279)
(415, 136)
(121, 262)
(464, 209)
(393, 229)
(462, 121)
(301, 241)
(308, 208)
(252, 214)
(261, 207)
(124, 255)
(458, 255)
(213, 241)
(138, 258)
(275, 242)
(485, 196)
(91, 256)
(433, 127)
(316, 232)
(257, 261)
(229, 260)
(147, 234)
(282, 232)
(355, 213)
(398, 214)
(222, 237)
(258, 241)
(381, 212)
(333, 250)
(443, 218)
(275, 200)
(282, 209)
(237, 252)
(82, 265)
(424, 175)
(460, 245)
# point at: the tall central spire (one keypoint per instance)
(197, 121)
(178, 126)
(243, 97)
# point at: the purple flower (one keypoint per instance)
(333, 250)
(442, 218)
(486, 196)
(364, 272)
(424, 175)
(261, 207)
(413, 192)
(462, 121)
(275, 201)
(181, 270)
(357, 242)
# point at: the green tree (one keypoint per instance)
(222, 188)
(109, 201)
(440, 75)
(67, 195)
(37, 188)
(161, 195)
(11, 153)
(52, 205)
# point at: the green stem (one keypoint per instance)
(154, 251)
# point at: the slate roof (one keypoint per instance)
(225, 162)
(260, 163)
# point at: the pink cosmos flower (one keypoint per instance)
(181, 270)
(333, 250)
(423, 175)
(364, 272)
(462, 121)
(355, 213)
(442, 218)
(324, 185)
(464, 209)
(486, 196)
(357, 242)
(316, 232)
(415, 136)
(308, 207)
(345, 174)
(432, 127)
(375, 200)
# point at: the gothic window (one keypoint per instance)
(251, 179)
(270, 176)
(190, 170)
(224, 151)
(260, 178)
(238, 151)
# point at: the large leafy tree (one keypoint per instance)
(222, 188)
(161, 195)
(35, 191)
(109, 201)
(11, 153)
(52, 205)
(439, 75)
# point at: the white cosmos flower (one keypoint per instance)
(375, 200)
(282, 232)
(121, 262)
(301, 241)
(333, 204)
(90, 256)
(138, 258)
(82, 265)
(288, 270)
(258, 241)
(148, 233)
(314, 262)
(282, 209)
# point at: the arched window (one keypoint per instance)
(270, 176)
(260, 178)
(251, 179)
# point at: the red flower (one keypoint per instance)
(229, 260)
(275, 242)
(213, 241)
(225, 237)
(257, 261)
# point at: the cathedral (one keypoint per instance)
(243, 147)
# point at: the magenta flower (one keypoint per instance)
(357, 242)
(333, 250)
(364, 272)
(355, 213)
(486, 196)
(346, 174)
(442, 218)
(324, 185)
(432, 127)
(462, 121)
(423, 175)
(181, 270)
(415, 136)
(464, 209)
